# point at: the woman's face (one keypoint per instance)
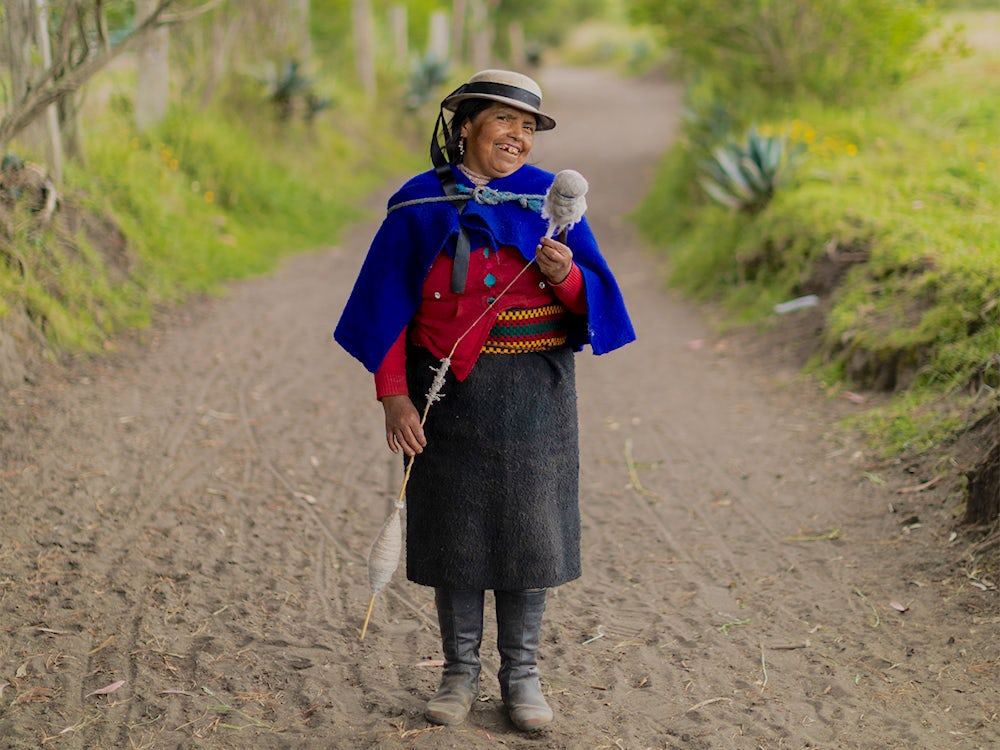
(498, 140)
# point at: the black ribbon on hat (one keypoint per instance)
(501, 89)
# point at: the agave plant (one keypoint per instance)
(427, 73)
(316, 104)
(286, 87)
(746, 176)
(294, 94)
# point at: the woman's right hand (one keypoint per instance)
(402, 425)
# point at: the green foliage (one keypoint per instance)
(895, 224)
(67, 287)
(967, 4)
(120, 14)
(673, 204)
(206, 198)
(702, 259)
(759, 52)
(913, 423)
(332, 30)
(545, 24)
(745, 175)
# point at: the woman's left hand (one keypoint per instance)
(554, 259)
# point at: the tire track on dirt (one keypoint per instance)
(164, 498)
(193, 477)
(740, 605)
(127, 509)
(248, 486)
(345, 484)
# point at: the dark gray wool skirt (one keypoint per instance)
(492, 502)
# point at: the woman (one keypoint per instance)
(492, 498)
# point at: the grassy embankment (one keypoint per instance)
(209, 196)
(911, 186)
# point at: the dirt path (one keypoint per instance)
(192, 517)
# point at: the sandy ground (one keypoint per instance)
(184, 526)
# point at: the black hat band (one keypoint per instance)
(502, 89)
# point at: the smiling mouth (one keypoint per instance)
(508, 148)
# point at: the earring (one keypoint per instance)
(461, 148)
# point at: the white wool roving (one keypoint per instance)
(565, 201)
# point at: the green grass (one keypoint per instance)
(209, 196)
(913, 182)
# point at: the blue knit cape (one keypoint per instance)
(388, 289)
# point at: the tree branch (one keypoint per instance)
(61, 55)
(52, 90)
(186, 16)
(102, 25)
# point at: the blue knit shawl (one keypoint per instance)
(388, 288)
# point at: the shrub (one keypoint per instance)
(746, 175)
(765, 52)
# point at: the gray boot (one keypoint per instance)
(460, 615)
(519, 622)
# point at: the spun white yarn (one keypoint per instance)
(383, 557)
(565, 201)
(434, 392)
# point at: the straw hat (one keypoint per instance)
(515, 89)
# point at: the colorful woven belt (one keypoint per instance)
(537, 329)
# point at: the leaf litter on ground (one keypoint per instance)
(108, 689)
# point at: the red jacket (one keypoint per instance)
(443, 316)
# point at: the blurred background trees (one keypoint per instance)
(52, 50)
(191, 50)
(745, 55)
(761, 51)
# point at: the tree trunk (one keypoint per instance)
(400, 38)
(437, 44)
(217, 56)
(458, 31)
(153, 72)
(51, 89)
(304, 35)
(482, 35)
(53, 138)
(364, 49)
(226, 32)
(70, 127)
(20, 26)
(518, 58)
